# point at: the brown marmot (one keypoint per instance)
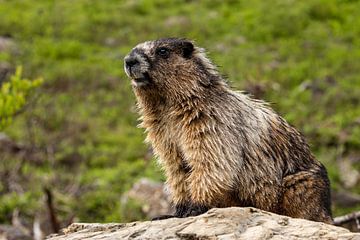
(218, 147)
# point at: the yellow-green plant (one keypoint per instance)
(13, 96)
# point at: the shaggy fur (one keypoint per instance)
(218, 147)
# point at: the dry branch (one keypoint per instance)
(355, 216)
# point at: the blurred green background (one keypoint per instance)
(77, 133)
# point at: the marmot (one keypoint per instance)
(219, 147)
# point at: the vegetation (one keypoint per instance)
(13, 95)
(302, 56)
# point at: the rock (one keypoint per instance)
(6, 44)
(152, 196)
(349, 176)
(8, 232)
(220, 223)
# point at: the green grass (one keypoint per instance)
(302, 54)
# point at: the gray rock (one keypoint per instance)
(8, 232)
(152, 196)
(224, 223)
(6, 44)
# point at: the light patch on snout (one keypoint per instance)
(139, 72)
(138, 53)
(145, 47)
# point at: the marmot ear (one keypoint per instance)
(187, 49)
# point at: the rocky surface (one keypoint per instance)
(226, 223)
(13, 233)
(6, 44)
(152, 196)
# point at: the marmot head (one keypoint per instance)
(170, 65)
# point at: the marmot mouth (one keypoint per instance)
(141, 81)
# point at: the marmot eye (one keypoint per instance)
(163, 52)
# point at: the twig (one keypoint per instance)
(50, 205)
(355, 216)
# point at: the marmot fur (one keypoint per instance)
(218, 147)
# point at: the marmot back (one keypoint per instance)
(218, 147)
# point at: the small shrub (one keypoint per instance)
(13, 95)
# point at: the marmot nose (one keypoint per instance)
(130, 62)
